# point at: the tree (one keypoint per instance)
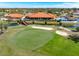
(1, 28)
(3, 25)
(45, 22)
(77, 28)
(59, 22)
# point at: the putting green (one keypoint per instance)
(30, 39)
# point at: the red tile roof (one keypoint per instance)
(15, 15)
(41, 15)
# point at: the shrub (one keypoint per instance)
(74, 37)
(67, 24)
(77, 28)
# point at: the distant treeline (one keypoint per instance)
(57, 11)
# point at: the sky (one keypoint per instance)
(39, 4)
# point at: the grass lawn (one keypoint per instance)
(31, 39)
(59, 46)
(24, 40)
(4, 48)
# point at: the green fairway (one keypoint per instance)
(5, 49)
(59, 46)
(24, 40)
(31, 39)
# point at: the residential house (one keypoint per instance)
(76, 13)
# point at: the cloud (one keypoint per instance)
(67, 5)
(45, 5)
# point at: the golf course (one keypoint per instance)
(28, 41)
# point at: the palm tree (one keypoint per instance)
(1, 28)
(3, 25)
